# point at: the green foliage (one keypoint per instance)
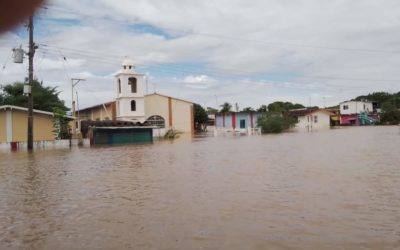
(172, 134)
(60, 124)
(211, 111)
(248, 109)
(381, 97)
(226, 107)
(262, 109)
(390, 112)
(44, 98)
(275, 122)
(281, 107)
(200, 117)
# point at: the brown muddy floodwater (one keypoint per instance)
(338, 189)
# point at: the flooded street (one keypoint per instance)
(338, 189)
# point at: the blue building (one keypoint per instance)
(237, 121)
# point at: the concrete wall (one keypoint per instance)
(355, 107)
(157, 105)
(45, 144)
(219, 122)
(3, 127)
(309, 123)
(177, 114)
(42, 126)
(182, 116)
(124, 109)
(98, 113)
(126, 88)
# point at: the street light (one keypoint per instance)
(74, 82)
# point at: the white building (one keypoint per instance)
(312, 120)
(355, 107)
(130, 94)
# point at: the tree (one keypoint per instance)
(44, 98)
(275, 122)
(262, 109)
(248, 109)
(281, 107)
(211, 111)
(390, 113)
(200, 117)
(60, 124)
(226, 107)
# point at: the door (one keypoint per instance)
(242, 123)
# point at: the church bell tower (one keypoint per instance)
(130, 93)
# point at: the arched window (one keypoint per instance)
(156, 121)
(133, 105)
(119, 85)
(133, 82)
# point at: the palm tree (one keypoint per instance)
(226, 107)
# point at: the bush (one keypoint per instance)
(172, 134)
(275, 123)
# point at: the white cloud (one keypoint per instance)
(251, 53)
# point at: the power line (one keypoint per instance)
(307, 46)
(114, 60)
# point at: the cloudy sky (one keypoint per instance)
(210, 52)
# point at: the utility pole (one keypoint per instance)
(31, 54)
(74, 82)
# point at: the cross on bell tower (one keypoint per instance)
(130, 93)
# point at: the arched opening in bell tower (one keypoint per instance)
(133, 82)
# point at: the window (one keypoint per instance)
(345, 107)
(119, 85)
(242, 123)
(133, 82)
(315, 119)
(130, 67)
(156, 121)
(133, 105)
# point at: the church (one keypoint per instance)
(133, 105)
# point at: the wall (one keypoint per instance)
(156, 105)
(125, 112)
(126, 88)
(242, 116)
(42, 126)
(307, 123)
(3, 128)
(98, 113)
(182, 116)
(238, 116)
(355, 107)
(176, 113)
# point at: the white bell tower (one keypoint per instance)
(130, 93)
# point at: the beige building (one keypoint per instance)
(133, 105)
(14, 120)
(105, 111)
(161, 111)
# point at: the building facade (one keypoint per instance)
(357, 113)
(236, 121)
(14, 120)
(312, 120)
(133, 105)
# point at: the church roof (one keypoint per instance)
(169, 97)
